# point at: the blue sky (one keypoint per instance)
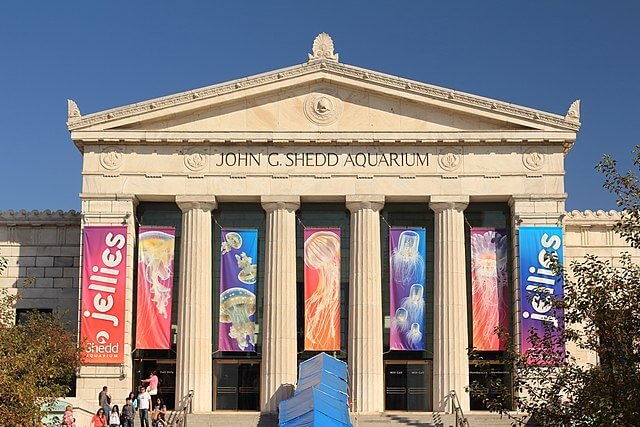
(541, 54)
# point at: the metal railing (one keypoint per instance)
(461, 420)
(178, 416)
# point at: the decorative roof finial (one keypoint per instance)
(573, 114)
(323, 48)
(73, 112)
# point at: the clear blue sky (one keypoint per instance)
(541, 54)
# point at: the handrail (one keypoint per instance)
(461, 420)
(178, 416)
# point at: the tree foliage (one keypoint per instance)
(601, 306)
(38, 358)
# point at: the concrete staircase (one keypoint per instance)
(421, 419)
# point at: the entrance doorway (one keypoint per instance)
(237, 385)
(166, 371)
(407, 385)
(482, 374)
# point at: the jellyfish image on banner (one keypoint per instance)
(414, 304)
(406, 260)
(407, 274)
(414, 337)
(155, 285)
(248, 270)
(489, 286)
(322, 289)
(400, 322)
(232, 241)
(237, 305)
(238, 276)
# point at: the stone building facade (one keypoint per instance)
(321, 143)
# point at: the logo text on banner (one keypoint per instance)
(103, 293)
(539, 285)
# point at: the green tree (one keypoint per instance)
(38, 358)
(601, 305)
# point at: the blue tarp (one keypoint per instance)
(323, 362)
(320, 398)
(313, 405)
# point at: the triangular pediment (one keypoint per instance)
(321, 96)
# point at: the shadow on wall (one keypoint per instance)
(43, 252)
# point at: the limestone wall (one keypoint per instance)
(44, 246)
(591, 233)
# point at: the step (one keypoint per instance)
(415, 419)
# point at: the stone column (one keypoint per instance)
(193, 362)
(366, 369)
(279, 331)
(451, 334)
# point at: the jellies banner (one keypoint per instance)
(407, 252)
(104, 267)
(489, 287)
(238, 274)
(321, 289)
(539, 286)
(155, 287)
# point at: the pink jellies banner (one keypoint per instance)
(490, 305)
(238, 276)
(539, 287)
(407, 278)
(156, 247)
(321, 289)
(104, 271)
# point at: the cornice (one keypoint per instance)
(285, 138)
(39, 217)
(568, 122)
(588, 217)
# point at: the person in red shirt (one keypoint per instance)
(99, 419)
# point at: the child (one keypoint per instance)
(67, 418)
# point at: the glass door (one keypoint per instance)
(237, 385)
(407, 386)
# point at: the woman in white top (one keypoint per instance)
(114, 417)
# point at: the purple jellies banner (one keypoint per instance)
(407, 252)
(238, 275)
(539, 286)
(489, 287)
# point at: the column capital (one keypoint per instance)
(441, 203)
(189, 202)
(358, 202)
(288, 202)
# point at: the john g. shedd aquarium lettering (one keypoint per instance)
(320, 159)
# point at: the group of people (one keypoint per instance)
(143, 404)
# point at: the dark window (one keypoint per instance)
(21, 313)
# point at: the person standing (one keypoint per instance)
(144, 403)
(153, 383)
(114, 417)
(104, 400)
(99, 419)
(128, 413)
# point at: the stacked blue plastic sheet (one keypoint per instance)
(321, 396)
